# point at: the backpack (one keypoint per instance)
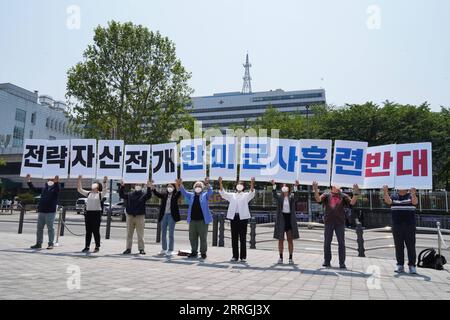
(429, 259)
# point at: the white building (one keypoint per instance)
(25, 114)
(235, 108)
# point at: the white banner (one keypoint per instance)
(255, 159)
(414, 166)
(164, 163)
(57, 159)
(193, 159)
(82, 157)
(110, 159)
(284, 160)
(33, 158)
(380, 167)
(136, 168)
(348, 163)
(223, 158)
(315, 161)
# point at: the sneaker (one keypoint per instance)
(97, 249)
(204, 256)
(128, 251)
(142, 252)
(399, 269)
(280, 261)
(50, 247)
(169, 253)
(412, 270)
(36, 246)
(342, 266)
(244, 260)
(193, 255)
(233, 259)
(291, 261)
(326, 265)
(162, 252)
(85, 250)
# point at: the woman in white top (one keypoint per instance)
(238, 213)
(93, 211)
(286, 221)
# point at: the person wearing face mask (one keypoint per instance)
(334, 203)
(286, 221)
(169, 215)
(199, 216)
(135, 201)
(46, 210)
(94, 209)
(238, 213)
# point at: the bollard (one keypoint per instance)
(109, 216)
(158, 232)
(360, 239)
(253, 233)
(221, 230)
(62, 217)
(58, 229)
(215, 229)
(22, 215)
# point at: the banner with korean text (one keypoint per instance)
(193, 159)
(284, 160)
(380, 167)
(33, 158)
(414, 166)
(164, 163)
(57, 159)
(315, 162)
(223, 158)
(110, 159)
(348, 163)
(82, 158)
(136, 167)
(255, 159)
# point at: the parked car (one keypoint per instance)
(80, 205)
(117, 209)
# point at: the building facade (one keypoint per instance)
(223, 110)
(25, 114)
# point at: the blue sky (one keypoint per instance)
(292, 44)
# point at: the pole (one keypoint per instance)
(109, 218)
(22, 215)
(62, 215)
(253, 233)
(221, 230)
(360, 238)
(215, 231)
(158, 231)
(58, 231)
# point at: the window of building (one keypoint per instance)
(51, 138)
(21, 115)
(31, 134)
(52, 124)
(33, 118)
(47, 122)
(18, 136)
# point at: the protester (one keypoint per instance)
(334, 219)
(135, 209)
(199, 216)
(93, 211)
(238, 214)
(169, 215)
(403, 208)
(46, 210)
(286, 220)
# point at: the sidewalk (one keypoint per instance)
(28, 274)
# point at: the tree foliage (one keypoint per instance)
(130, 85)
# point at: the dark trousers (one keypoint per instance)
(404, 234)
(239, 235)
(92, 220)
(339, 230)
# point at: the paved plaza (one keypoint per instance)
(65, 273)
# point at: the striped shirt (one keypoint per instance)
(403, 211)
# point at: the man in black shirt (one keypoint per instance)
(403, 208)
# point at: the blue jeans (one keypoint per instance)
(167, 221)
(45, 219)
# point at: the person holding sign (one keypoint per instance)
(286, 221)
(403, 208)
(238, 213)
(335, 203)
(135, 208)
(46, 210)
(169, 215)
(199, 216)
(94, 209)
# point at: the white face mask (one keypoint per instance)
(169, 189)
(198, 190)
(239, 187)
(138, 188)
(50, 183)
(285, 189)
(94, 186)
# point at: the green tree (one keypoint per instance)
(130, 85)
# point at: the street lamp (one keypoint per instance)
(307, 121)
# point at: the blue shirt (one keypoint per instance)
(403, 211)
(204, 199)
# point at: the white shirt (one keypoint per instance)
(286, 205)
(238, 203)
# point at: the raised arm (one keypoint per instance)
(80, 187)
(414, 199)
(387, 199)
(187, 195)
(252, 192)
(209, 191)
(317, 196)
(105, 187)
(122, 193)
(148, 194)
(30, 185)
(356, 193)
(225, 195)
(274, 190)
